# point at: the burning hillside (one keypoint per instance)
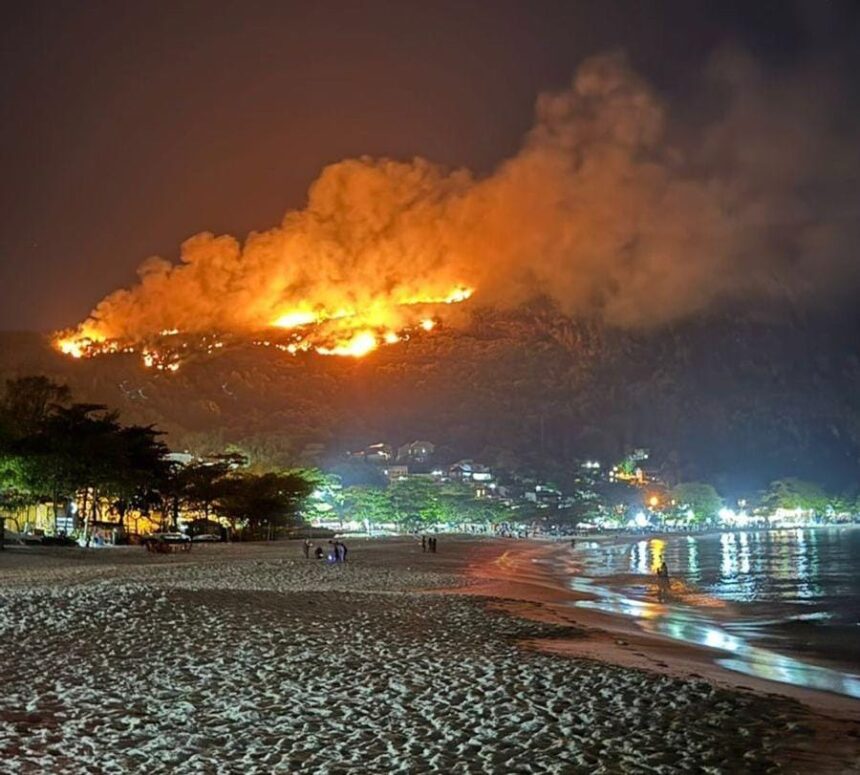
(343, 332)
(608, 208)
(736, 395)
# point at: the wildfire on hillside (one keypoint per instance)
(343, 332)
(608, 209)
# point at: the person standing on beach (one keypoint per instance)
(423, 543)
(433, 544)
(662, 582)
(307, 548)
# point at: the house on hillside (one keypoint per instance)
(396, 473)
(379, 453)
(544, 496)
(416, 451)
(469, 471)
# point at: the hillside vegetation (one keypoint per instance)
(737, 399)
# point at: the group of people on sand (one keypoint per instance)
(428, 544)
(336, 553)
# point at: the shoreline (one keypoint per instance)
(432, 662)
(525, 588)
(535, 592)
(646, 534)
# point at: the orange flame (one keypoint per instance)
(343, 332)
(360, 344)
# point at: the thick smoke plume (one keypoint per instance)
(609, 208)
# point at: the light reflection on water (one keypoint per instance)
(799, 589)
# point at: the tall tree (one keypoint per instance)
(697, 498)
(368, 504)
(263, 502)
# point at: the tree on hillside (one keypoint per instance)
(794, 493)
(698, 498)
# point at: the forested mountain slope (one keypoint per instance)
(738, 399)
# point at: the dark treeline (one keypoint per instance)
(81, 460)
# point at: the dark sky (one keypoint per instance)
(128, 127)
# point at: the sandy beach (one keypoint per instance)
(248, 658)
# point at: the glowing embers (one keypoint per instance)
(161, 361)
(159, 353)
(87, 347)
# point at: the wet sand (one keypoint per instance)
(523, 584)
(247, 658)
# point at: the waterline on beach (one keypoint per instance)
(679, 624)
(751, 597)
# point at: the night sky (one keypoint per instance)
(128, 127)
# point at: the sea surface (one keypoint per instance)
(778, 604)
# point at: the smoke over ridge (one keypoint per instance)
(609, 208)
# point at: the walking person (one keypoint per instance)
(433, 544)
(307, 548)
(343, 552)
(423, 543)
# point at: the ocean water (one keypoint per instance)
(778, 604)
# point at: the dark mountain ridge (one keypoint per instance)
(737, 399)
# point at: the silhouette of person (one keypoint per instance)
(662, 582)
